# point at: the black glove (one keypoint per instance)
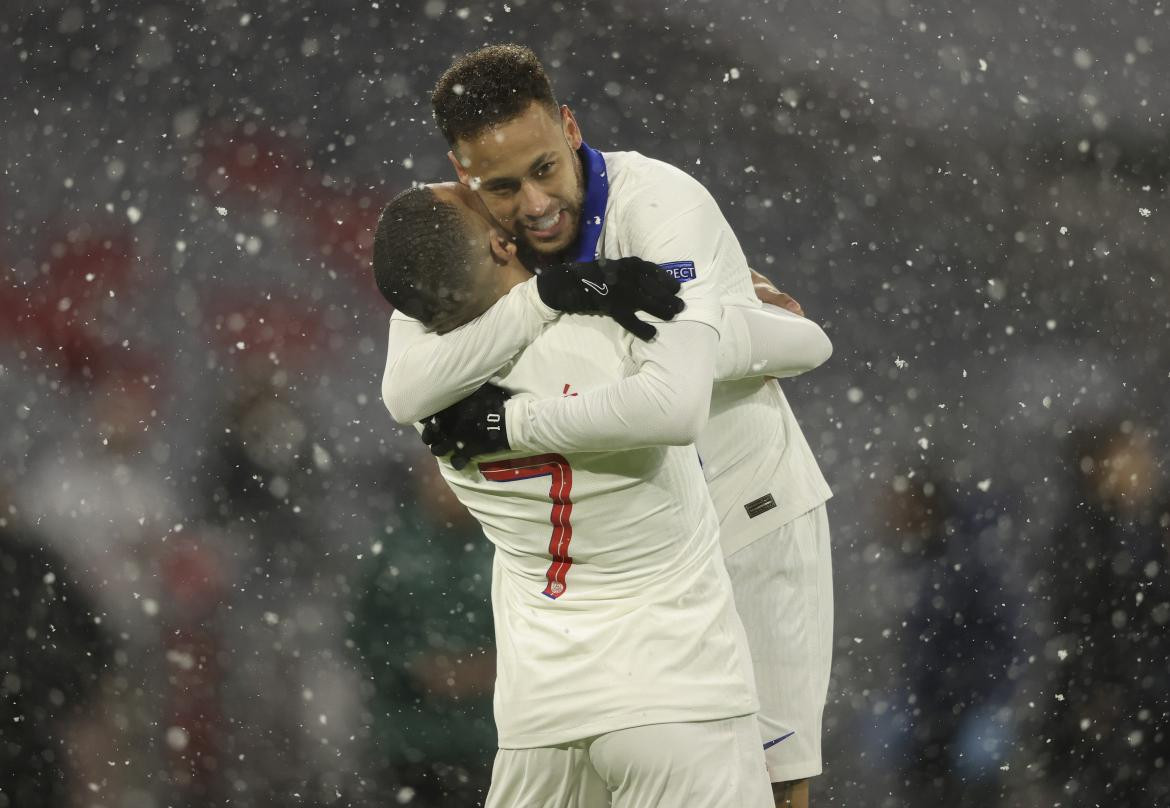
(471, 427)
(616, 288)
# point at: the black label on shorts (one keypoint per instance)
(758, 506)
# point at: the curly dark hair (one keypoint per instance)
(488, 87)
(422, 256)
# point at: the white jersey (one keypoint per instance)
(757, 463)
(612, 605)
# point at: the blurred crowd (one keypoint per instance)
(227, 578)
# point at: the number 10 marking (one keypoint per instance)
(557, 467)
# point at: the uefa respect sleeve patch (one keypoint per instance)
(681, 271)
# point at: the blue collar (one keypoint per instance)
(593, 208)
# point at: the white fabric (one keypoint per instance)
(666, 400)
(752, 446)
(427, 372)
(663, 401)
(784, 595)
(611, 652)
(712, 764)
(768, 341)
(644, 630)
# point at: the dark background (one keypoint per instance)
(227, 577)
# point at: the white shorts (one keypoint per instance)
(783, 586)
(701, 764)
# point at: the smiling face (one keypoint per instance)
(528, 175)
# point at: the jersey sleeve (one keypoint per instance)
(664, 403)
(768, 341)
(674, 221)
(426, 372)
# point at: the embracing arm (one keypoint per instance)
(673, 222)
(426, 371)
(768, 293)
(667, 400)
(768, 341)
(665, 403)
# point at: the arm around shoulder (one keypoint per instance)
(665, 403)
(768, 341)
(426, 372)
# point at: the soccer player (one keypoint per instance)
(623, 672)
(526, 159)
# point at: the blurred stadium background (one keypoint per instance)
(227, 578)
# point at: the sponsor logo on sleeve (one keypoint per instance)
(681, 271)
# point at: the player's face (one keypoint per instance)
(497, 269)
(528, 175)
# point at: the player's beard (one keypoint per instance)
(528, 253)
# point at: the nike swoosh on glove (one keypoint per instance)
(616, 288)
(471, 427)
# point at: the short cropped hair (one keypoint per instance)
(488, 87)
(422, 257)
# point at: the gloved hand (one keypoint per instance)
(616, 288)
(471, 427)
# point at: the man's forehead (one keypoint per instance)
(511, 145)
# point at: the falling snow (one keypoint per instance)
(228, 577)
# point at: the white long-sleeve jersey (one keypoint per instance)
(756, 461)
(611, 602)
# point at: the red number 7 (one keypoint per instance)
(557, 467)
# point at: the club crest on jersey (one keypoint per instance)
(681, 271)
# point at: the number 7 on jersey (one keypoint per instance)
(560, 487)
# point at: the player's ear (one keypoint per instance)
(460, 170)
(502, 246)
(570, 128)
